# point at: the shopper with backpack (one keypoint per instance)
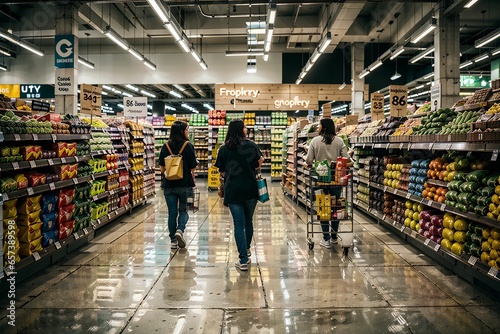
(175, 189)
(237, 160)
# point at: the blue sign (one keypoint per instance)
(65, 51)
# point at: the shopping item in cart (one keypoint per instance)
(323, 171)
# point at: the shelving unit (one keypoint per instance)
(200, 140)
(276, 153)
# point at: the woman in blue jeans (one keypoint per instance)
(176, 191)
(237, 160)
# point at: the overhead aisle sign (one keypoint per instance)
(398, 100)
(135, 106)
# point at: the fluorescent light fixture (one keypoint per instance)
(299, 80)
(104, 93)
(269, 33)
(167, 107)
(271, 12)
(315, 56)
(419, 87)
(148, 94)
(3, 67)
(136, 54)
(251, 68)
(187, 106)
(203, 65)
(470, 3)
(208, 106)
(325, 42)
(107, 87)
(375, 65)
(495, 52)
(428, 76)
(467, 63)
(5, 53)
(363, 74)
(85, 62)
(21, 42)
(117, 39)
(244, 53)
(120, 105)
(302, 75)
(396, 53)
(423, 54)
(174, 93)
(184, 45)
(266, 56)
(179, 87)
(127, 94)
(424, 30)
(129, 86)
(195, 55)
(267, 47)
(481, 58)
(116, 91)
(173, 30)
(488, 38)
(150, 107)
(150, 64)
(309, 65)
(159, 10)
(396, 76)
(342, 86)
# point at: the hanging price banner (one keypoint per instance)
(398, 100)
(377, 101)
(90, 100)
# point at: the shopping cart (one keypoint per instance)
(193, 199)
(331, 198)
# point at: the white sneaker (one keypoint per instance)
(249, 252)
(241, 266)
(180, 239)
(174, 245)
(334, 241)
(325, 243)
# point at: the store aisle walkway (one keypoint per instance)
(128, 281)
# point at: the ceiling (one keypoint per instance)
(220, 26)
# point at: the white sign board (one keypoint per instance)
(436, 96)
(135, 106)
(65, 81)
(398, 100)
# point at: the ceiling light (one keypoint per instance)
(127, 94)
(266, 56)
(396, 53)
(325, 42)
(167, 107)
(3, 67)
(467, 63)
(342, 86)
(488, 38)
(309, 65)
(85, 62)
(424, 30)
(179, 87)
(108, 87)
(129, 86)
(299, 80)
(143, 92)
(420, 87)
(315, 56)
(173, 30)
(396, 76)
(470, 3)
(187, 106)
(104, 93)
(174, 93)
(116, 91)
(428, 76)
(5, 53)
(184, 45)
(120, 105)
(21, 42)
(269, 33)
(423, 54)
(375, 65)
(271, 12)
(244, 53)
(159, 10)
(495, 52)
(208, 106)
(117, 39)
(136, 54)
(195, 55)
(203, 65)
(363, 74)
(150, 64)
(302, 75)
(481, 58)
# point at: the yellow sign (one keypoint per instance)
(398, 100)
(12, 91)
(90, 100)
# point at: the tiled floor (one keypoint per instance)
(128, 281)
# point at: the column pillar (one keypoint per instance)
(358, 85)
(495, 69)
(447, 55)
(66, 23)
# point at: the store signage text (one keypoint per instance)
(90, 99)
(398, 100)
(475, 81)
(65, 82)
(295, 102)
(11, 91)
(135, 106)
(65, 55)
(237, 93)
(36, 91)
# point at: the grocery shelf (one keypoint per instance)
(44, 136)
(438, 183)
(10, 166)
(103, 152)
(105, 173)
(455, 146)
(109, 193)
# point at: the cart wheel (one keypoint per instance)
(310, 243)
(311, 246)
(346, 251)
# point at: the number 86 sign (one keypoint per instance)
(398, 100)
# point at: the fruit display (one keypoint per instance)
(430, 225)
(418, 176)
(111, 161)
(10, 154)
(461, 123)
(98, 165)
(217, 117)
(83, 148)
(76, 125)
(95, 123)
(370, 129)
(377, 168)
(389, 126)
(483, 242)
(10, 123)
(137, 189)
(434, 122)
(198, 120)
(454, 233)
(392, 174)
(169, 120)
(388, 204)
(136, 164)
(101, 141)
(377, 200)
(112, 182)
(424, 108)
(279, 118)
(406, 128)
(137, 147)
(363, 194)
(481, 95)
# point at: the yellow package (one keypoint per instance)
(29, 219)
(28, 248)
(9, 241)
(9, 222)
(9, 209)
(29, 233)
(15, 253)
(29, 204)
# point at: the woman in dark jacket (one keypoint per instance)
(176, 191)
(237, 160)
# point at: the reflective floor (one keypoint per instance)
(127, 280)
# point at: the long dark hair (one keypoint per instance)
(177, 134)
(235, 134)
(327, 130)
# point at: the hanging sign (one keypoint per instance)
(65, 51)
(40, 106)
(37, 91)
(65, 82)
(377, 102)
(398, 100)
(11, 91)
(90, 99)
(327, 110)
(436, 96)
(135, 106)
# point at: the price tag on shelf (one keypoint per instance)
(36, 256)
(448, 146)
(32, 164)
(472, 260)
(393, 223)
(30, 191)
(387, 146)
(364, 145)
(75, 180)
(92, 177)
(5, 197)
(63, 160)
(110, 172)
(51, 162)
(94, 225)
(469, 154)
(430, 146)
(443, 206)
(76, 235)
(494, 156)
(385, 188)
(57, 244)
(493, 272)
(85, 231)
(54, 137)
(95, 198)
(77, 159)
(15, 165)
(52, 185)
(427, 241)
(437, 247)
(408, 195)
(402, 228)
(98, 221)
(17, 137)
(383, 217)
(109, 216)
(401, 146)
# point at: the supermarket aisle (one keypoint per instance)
(128, 281)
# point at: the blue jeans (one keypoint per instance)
(325, 225)
(176, 199)
(243, 225)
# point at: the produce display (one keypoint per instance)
(461, 123)
(101, 141)
(483, 242)
(279, 118)
(217, 117)
(198, 120)
(433, 123)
